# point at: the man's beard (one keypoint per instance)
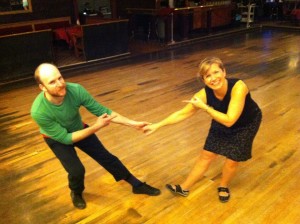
(61, 92)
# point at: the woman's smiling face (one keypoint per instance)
(215, 77)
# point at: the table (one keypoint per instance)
(66, 33)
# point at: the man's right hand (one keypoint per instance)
(103, 121)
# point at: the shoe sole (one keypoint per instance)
(156, 194)
(170, 188)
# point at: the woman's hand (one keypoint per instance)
(139, 125)
(149, 129)
(197, 102)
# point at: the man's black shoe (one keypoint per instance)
(146, 189)
(77, 200)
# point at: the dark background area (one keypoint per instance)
(42, 9)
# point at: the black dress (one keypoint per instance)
(233, 142)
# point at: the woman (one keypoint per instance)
(235, 121)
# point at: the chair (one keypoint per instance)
(77, 39)
(247, 13)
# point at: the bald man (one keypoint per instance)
(56, 111)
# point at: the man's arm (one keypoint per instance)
(120, 119)
(102, 121)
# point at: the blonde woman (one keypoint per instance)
(236, 118)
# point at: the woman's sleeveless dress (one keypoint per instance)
(233, 142)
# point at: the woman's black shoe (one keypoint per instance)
(224, 198)
(177, 190)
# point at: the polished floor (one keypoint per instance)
(149, 87)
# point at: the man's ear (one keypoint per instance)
(42, 87)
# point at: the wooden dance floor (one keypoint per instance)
(266, 190)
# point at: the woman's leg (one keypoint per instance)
(229, 170)
(202, 164)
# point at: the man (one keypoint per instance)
(56, 111)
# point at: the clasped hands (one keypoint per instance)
(146, 127)
(195, 101)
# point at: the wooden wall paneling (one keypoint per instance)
(105, 39)
(221, 16)
(21, 53)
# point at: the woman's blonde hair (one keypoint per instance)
(205, 64)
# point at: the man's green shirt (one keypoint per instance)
(59, 121)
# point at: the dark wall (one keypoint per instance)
(42, 9)
(20, 54)
(142, 4)
(105, 40)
